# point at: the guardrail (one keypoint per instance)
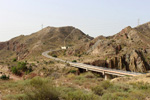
(93, 68)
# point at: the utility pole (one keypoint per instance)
(42, 26)
(138, 22)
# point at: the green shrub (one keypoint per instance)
(79, 55)
(98, 90)
(121, 88)
(42, 89)
(89, 75)
(116, 96)
(15, 70)
(106, 84)
(15, 97)
(33, 64)
(136, 95)
(54, 55)
(30, 69)
(72, 71)
(22, 66)
(74, 61)
(45, 92)
(37, 82)
(113, 41)
(141, 85)
(15, 59)
(4, 77)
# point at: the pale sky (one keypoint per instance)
(93, 17)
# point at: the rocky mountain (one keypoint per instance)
(45, 39)
(127, 50)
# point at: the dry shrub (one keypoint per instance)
(80, 95)
(42, 89)
(71, 76)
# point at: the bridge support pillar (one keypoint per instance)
(106, 76)
(86, 69)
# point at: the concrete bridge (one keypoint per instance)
(105, 71)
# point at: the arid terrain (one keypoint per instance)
(27, 75)
(127, 50)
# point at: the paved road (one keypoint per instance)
(93, 68)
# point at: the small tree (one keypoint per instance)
(4, 77)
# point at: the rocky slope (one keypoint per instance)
(47, 38)
(127, 50)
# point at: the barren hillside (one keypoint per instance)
(127, 50)
(47, 38)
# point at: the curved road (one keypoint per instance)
(93, 68)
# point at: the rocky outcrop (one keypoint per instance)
(2, 45)
(133, 61)
(127, 50)
(98, 63)
(19, 48)
(124, 33)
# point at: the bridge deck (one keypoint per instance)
(94, 68)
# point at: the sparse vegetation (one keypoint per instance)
(78, 55)
(59, 81)
(72, 71)
(21, 67)
(113, 41)
(42, 89)
(80, 95)
(98, 90)
(46, 89)
(86, 40)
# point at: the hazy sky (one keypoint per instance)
(93, 17)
